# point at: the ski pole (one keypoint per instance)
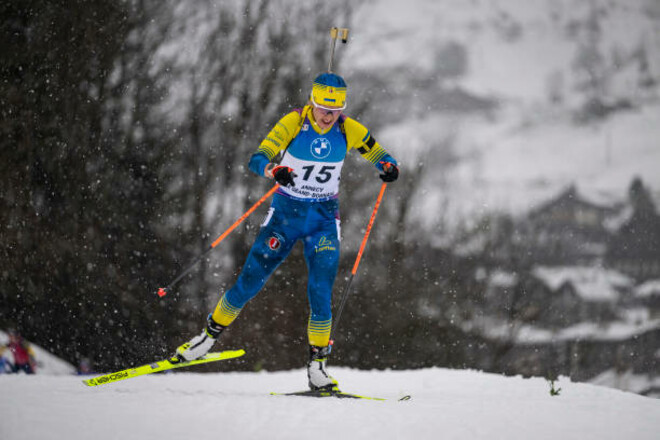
(347, 289)
(162, 291)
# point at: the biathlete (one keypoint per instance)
(314, 141)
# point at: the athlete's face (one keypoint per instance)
(325, 118)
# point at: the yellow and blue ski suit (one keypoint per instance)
(308, 211)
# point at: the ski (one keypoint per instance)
(335, 393)
(162, 365)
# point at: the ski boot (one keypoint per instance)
(201, 344)
(319, 379)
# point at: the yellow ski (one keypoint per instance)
(162, 365)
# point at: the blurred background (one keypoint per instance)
(523, 236)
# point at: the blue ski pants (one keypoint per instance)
(288, 220)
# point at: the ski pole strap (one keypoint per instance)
(371, 223)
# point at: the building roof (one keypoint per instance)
(590, 283)
(572, 197)
(648, 289)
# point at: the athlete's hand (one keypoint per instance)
(390, 172)
(282, 175)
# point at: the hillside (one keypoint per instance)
(525, 58)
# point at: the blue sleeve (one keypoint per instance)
(385, 159)
(258, 163)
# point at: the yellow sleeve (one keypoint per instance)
(281, 135)
(359, 137)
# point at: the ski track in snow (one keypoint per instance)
(447, 404)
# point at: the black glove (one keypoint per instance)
(284, 175)
(390, 172)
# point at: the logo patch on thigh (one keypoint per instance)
(325, 245)
(274, 242)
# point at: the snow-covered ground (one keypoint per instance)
(447, 404)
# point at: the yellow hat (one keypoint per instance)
(329, 92)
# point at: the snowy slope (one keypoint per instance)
(503, 167)
(530, 150)
(514, 45)
(447, 404)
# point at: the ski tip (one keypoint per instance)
(218, 355)
(162, 291)
(234, 353)
(404, 398)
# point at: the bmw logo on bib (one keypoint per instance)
(321, 148)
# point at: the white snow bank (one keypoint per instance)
(447, 404)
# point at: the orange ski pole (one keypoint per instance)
(162, 291)
(357, 262)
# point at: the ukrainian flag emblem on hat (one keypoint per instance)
(329, 90)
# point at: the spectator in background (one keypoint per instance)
(5, 364)
(23, 353)
(84, 367)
